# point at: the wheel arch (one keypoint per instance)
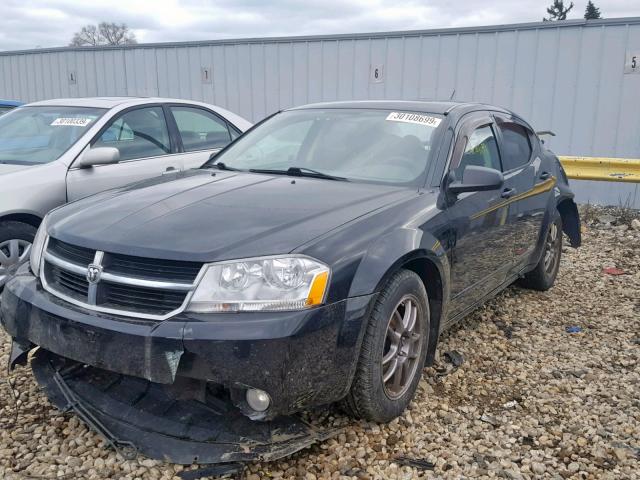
(570, 220)
(427, 266)
(22, 217)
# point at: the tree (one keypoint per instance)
(557, 11)
(103, 34)
(592, 12)
(87, 36)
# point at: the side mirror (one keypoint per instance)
(477, 179)
(99, 156)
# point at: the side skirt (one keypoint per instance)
(455, 319)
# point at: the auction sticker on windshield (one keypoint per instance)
(416, 118)
(72, 122)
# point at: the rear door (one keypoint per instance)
(201, 133)
(522, 166)
(146, 150)
(482, 223)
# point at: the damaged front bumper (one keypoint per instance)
(138, 416)
(301, 359)
(174, 389)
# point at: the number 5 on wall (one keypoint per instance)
(632, 63)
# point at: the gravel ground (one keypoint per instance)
(530, 401)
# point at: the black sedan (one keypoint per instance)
(316, 259)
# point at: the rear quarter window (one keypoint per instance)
(516, 146)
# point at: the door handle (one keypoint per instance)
(545, 176)
(508, 192)
(170, 170)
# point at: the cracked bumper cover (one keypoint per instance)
(302, 359)
(137, 416)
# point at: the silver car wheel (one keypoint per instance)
(551, 248)
(401, 347)
(13, 253)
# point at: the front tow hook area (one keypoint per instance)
(135, 415)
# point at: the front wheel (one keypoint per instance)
(393, 351)
(543, 276)
(15, 247)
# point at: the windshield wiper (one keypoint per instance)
(221, 166)
(299, 172)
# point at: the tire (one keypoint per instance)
(370, 397)
(15, 243)
(543, 276)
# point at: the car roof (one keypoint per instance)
(9, 103)
(125, 102)
(439, 108)
(107, 102)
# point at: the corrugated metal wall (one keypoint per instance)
(567, 77)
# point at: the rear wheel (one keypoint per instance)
(393, 351)
(15, 247)
(543, 276)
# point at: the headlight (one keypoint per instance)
(38, 246)
(259, 284)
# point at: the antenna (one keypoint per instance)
(452, 94)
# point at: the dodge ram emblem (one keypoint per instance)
(94, 272)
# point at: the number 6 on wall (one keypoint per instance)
(377, 73)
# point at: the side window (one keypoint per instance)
(516, 146)
(481, 150)
(119, 131)
(138, 133)
(200, 129)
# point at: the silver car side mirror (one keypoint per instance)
(99, 156)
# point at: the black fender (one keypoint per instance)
(419, 251)
(565, 204)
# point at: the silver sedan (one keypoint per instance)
(58, 151)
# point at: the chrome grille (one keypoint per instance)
(124, 285)
(67, 282)
(140, 299)
(72, 253)
(151, 268)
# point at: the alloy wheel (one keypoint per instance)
(13, 253)
(552, 248)
(401, 347)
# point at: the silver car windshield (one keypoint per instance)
(365, 145)
(37, 135)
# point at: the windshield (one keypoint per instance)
(359, 145)
(37, 135)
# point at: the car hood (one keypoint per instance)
(10, 168)
(209, 216)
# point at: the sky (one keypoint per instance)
(28, 24)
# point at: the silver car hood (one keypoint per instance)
(9, 168)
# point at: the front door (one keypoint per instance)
(142, 138)
(482, 237)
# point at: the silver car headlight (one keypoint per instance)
(38, 246)
(261, 284)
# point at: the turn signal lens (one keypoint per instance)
(318, 289)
